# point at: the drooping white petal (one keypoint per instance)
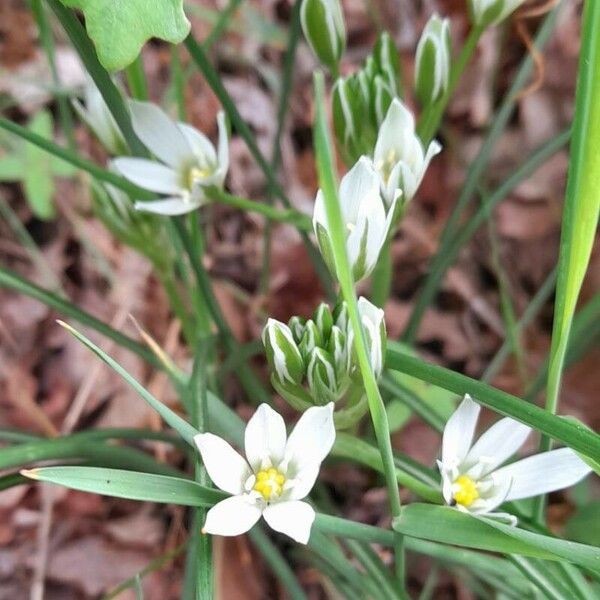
(265, 438)
(225, 467)
(543, 473)
(311, 440)
(201, 146)
(160, 134)
(458, 432)
(294, 518)
(499, 494)
(498, 444)
(232, 516)
(168, 206)
(149, 174)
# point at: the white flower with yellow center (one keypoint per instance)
(189, 161)
(277, 474)
(399, 157)
(471, 479)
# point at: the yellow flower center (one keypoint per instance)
(269, 483)
(467, 492)
(197, 173)
(386, 165)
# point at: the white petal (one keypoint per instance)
(168, 206)
(458, 432)
(199, 143)
(232, 516)
(149, 174)
(160, 134)
(302, 483)
(543, 473)
(500, 492)
(498, 444)
(293, 518)
(225, 467)
(311, 440)
(265, 438)
(397, 129)
(359, 187)
(319, 214)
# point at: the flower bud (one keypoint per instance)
(348, 108)
(323, 320)
(296, 325)
(324, 29)
(337, 347)
(372, 320)
(321, 377)
(310, 339)
(282, 352)
(385, 55)
(433, 61)
(491, 12)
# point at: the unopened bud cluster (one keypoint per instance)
(432, 62)
(312, 361)
(360, 101)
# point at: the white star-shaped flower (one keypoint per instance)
(189, 161)
(471, 478)
(276, 475)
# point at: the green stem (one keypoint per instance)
(334, 218)
(169, 284)
(221, 25)
(136, 79)
(178, 82)
(291, 216)
(430, 120)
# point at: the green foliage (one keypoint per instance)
(120, 29)
(35, 168)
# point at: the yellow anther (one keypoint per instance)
(197, 173)
(269, 483)
(466, 492)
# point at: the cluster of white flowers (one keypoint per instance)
(375, 190)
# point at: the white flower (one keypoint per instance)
(399, 156)
(96, 115)
(372, 320)
(471, 478)
(276, 475)
(189, 161)
(364, 217)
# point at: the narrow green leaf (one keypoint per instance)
(120, 29)
(128, 484)
(450, 526)
(574, 435)
(185, 430)
(11, 167)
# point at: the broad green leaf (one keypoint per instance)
(120, 28)
(447, 525)
(185, 430)
(128, 484)
(11, 167)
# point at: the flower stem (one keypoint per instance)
(334, 218)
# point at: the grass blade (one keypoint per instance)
(128, 484)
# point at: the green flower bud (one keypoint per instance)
(282, 352)
(491, 12)
(324, 29)
(311, 339)
(354, 136)
(385, 56)
(433, 61)
(296, 325)
(381, 98)
(320, 374)
(338, 349)
(323, 320)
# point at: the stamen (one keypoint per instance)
(465, 490)
(269, 483)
